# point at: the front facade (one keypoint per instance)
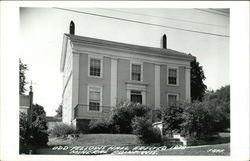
(98, 74)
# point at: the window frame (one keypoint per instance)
(177, 75)
(173, 94)
(136, 63)
(101, 66)
(88, 97)
(136, 94)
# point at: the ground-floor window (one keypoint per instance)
(172, 99)
(94, 98)
(136, 96)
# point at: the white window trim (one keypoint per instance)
(136, 63)
(95, 57)
(100, 90)
(177, 73)
(175, 94)
(141, 88)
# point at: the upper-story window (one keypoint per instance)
(95, 67)
(136, 72)
(173, 76)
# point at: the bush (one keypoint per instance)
(196, 120)
(146, 133)
(101, 126)
(199, 120)
(172, 119)
(35, 135)
(124, 113)
(62, 129)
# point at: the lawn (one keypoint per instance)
(126, 140)
(96, 139)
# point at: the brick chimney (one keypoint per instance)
(164, 41)
(72, 28)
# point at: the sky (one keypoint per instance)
(42, 29)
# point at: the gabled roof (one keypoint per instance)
(151, 51)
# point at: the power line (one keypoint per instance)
(211, 12)
(221, 10)
(145, 23)
(173, 19)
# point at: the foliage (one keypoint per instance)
(156, 115)
(221, 105)
(146, 133)
(23, 133)
(197, 120)
(172, 116)
(59, 111)
(102, 126)
(124, 113)
(34, 135)
(22, 78)
(198, 88)
(62, 129)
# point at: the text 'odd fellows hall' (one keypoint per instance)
(99, 74)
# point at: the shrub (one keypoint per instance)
(199, 121)
(62, 129)
(172, 119)
(124, 113)
(101, 126)
(196, 120)
(34, 135)
(146, 133)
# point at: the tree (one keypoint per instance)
(221, 105)
(35, 135)
(22, 78)
(59, 111)
(198, 88)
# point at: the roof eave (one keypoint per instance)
(63, 53)
(168, 53)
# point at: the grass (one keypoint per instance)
(130, 140)
(96, 139)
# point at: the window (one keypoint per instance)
(172, 76)
(94, 99)
(136, 96)
(95, 67)
(136, 72)
(172, 99)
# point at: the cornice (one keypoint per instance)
(136, 49)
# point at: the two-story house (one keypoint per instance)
(98, 74)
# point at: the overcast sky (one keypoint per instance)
(42, 29)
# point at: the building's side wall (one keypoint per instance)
(67, 87)
(85, 81)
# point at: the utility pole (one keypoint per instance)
(31, 106)
(30, 115)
